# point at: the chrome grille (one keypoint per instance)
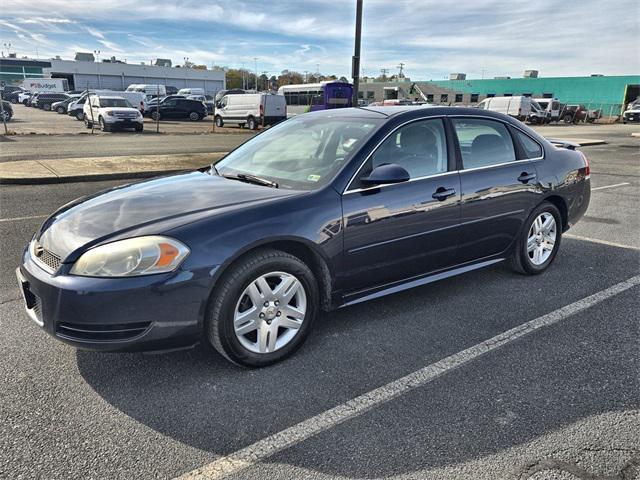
(48, 260)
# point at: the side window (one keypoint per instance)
(420, 147)
(483, 142)
(532, 149)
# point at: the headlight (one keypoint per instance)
(132, 257)
(111, 114)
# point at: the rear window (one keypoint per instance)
(532, 149)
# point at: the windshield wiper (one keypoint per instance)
(246, 177)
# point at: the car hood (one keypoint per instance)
(172, 200)
(118, 110)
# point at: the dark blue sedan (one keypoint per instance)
(324, 210)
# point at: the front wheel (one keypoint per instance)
(103, 126)
(6, 116)
(263, 309)
(80, 116)
(46, 107)
(87, 123)
(219, 122)
(155, 116)
(539, 240)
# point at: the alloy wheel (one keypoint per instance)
(541, 238)
(270, 312)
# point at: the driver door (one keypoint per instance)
(398, 231)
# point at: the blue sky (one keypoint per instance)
(432, 38)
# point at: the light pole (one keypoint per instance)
(97, 54)
(355, 62)
(255, 67)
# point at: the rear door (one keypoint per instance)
(499, 186)
(395, 232)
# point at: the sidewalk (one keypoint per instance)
(101, 168)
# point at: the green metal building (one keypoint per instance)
(610, 93)
(14, 70)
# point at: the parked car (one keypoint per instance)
(180, 108)
(76, 107)
(206, 99)
(23, 97)
(324, 210)
(171, 90)
(13, 95)
(61, 107)
(8, 90)
(517, 106)
(251, 109)
(7, 111)
(150, 105)
(46, 99)
(632, 113)
(32, 100)
(111, 113)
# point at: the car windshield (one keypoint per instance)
(114, 102)
(301, 153)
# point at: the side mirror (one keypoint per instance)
(386, 174)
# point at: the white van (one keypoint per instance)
(251, 109)
(551, 105)
(517, 106)
(191, 91)
(154, 90)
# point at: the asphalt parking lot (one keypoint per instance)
(561, 402)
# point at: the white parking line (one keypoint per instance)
(602, 242)
(16, 219)
(611, 186)
(284, 439)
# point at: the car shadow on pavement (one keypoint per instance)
(198, 398)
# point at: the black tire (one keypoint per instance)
(6, 116)
(46, 107)
(14, 101)
(25, 102)
(60, 110)
(156, 116)
(194, 116)
(219, 321)
(252, 124)
(103, 126)
(87, 123)
(139, 128)
(219, 122)
(79, 116)
(567, 118)
(520, 260)
(533, 120)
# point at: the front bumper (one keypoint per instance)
(153, 312)
(632, 117)
(123, 122)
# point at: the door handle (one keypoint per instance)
(526, 177)
(443, 193)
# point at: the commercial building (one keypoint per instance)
(609, 93)
(14, 70)
(110, 74)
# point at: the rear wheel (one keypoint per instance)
(80, 116)
(251, 123)
(539, 240)
(567, 118)
(155, 116)
(14, 101)
(194, 116)
(263, 309)
(46, 107)
(6, 116)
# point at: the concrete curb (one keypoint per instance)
(36, 172)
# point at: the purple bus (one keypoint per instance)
(309, 97)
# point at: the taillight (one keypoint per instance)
(261, 110)
(587, 168)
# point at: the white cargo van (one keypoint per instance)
(191, 91)
(251, 109)
(517, 106)
(551, 105)
(153, 90)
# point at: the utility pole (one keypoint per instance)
(400, 67)
(355, 61)
(384, 72)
